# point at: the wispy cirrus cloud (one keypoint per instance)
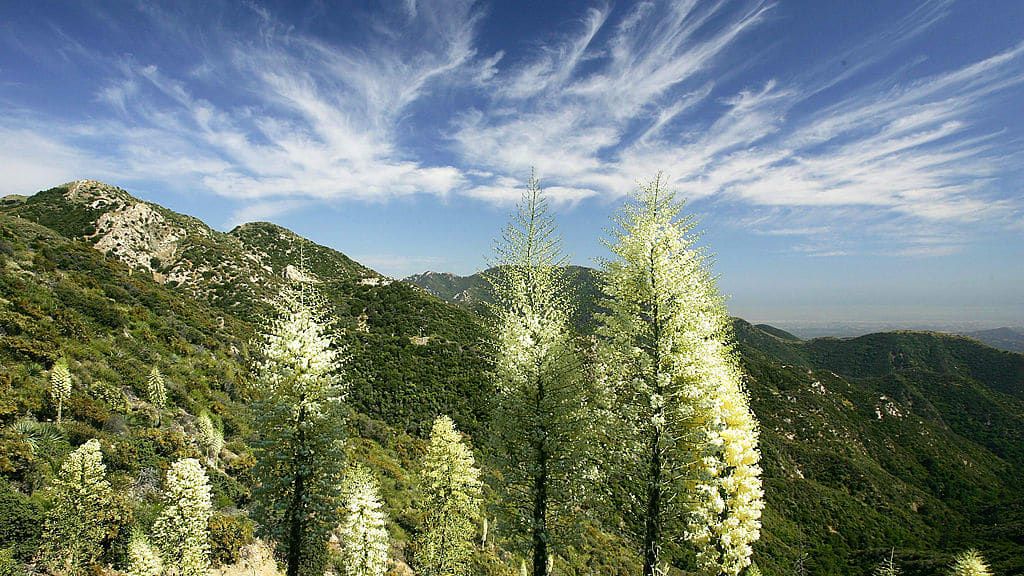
(295, 117)
(906, 150)
(409, 102)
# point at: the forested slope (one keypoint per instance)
(909, 441)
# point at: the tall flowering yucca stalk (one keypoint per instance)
(60, 385)
(181, 530)
(143, 560)
(690, 437)
(82, 508)
(211, 439)
(300, 423)
(540, 417)
(363, 532)
(451, 486)
(156, 389)
(970, 563)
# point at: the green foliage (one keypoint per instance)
(939, 468)
(229, 533)
(21, 521)
(452, 497)
(8, 564)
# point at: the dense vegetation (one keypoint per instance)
(904, 440)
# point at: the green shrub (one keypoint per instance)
(8, 565)
(228, 534)
(21, 522)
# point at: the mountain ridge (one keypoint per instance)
(903, 439)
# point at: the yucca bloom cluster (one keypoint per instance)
(60, 385)
(970, 563)
(211, 439)
(143, 560)
(679, 389)
(363, 532)
(182, 529)
(156, 389)
(299, 359)
(451, 485)
(77, 523)
(299, 418)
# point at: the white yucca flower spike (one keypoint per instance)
(211, 439)
(156, 389)
(970, 563)
(181, 531)
(666, 332)
(60, 385)
(143, 559)
(78, 521)
(451, 486)
(363, 532)
(300, 416)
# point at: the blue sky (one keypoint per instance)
(849, 161)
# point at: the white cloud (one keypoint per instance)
(278, 119)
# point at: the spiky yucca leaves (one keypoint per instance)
(540, 418)
(181, 531)
(688, 436)
(451, 486)
(143, 559)
(300, 422)
(156, 390)
(60, 385)
(970, 563)
(42, 437)
(363, 531)
(82, 507)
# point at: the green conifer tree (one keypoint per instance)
(181, 531)
(60, 385)
(451, 486)
(540, 419)
(363, 532)
(300, 422)
(689, 437)
(156, 389)
(77, 523)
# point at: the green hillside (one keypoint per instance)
(910, 440)
(906, 440)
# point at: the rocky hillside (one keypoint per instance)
(416, 339)
(906, 440)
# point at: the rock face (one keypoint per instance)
(238, 270)
(139, 236)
